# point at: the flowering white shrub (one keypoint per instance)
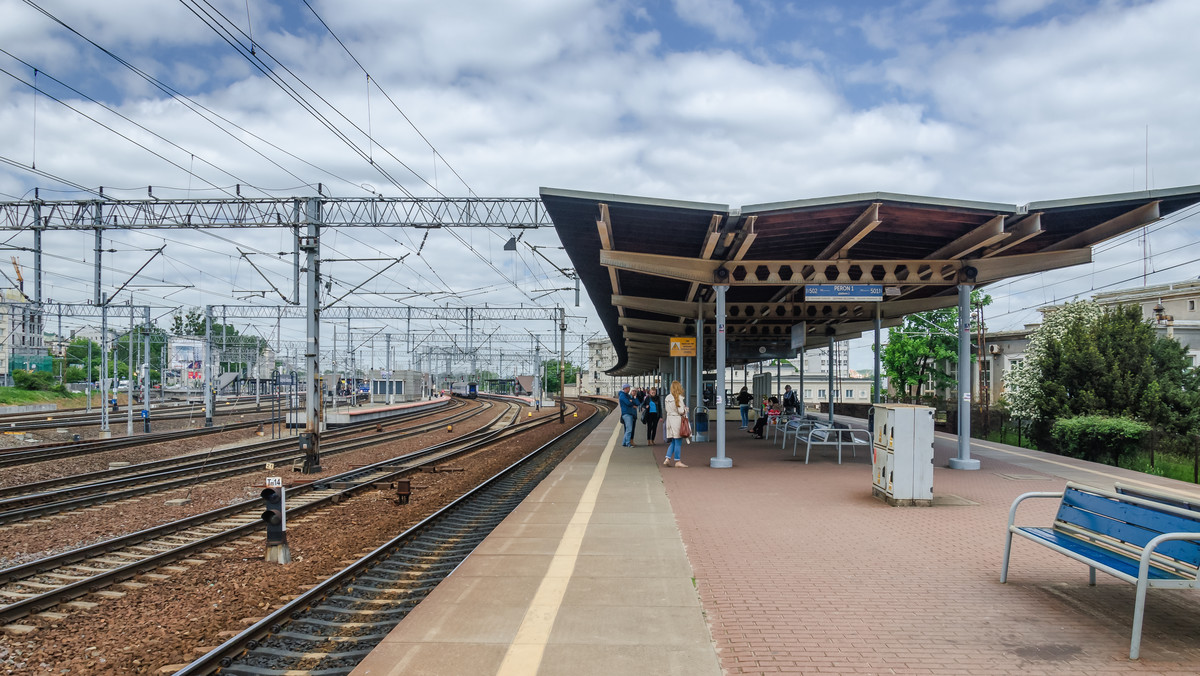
(1024, 379)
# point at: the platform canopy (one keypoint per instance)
(649, 265)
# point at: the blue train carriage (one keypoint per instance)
(466, 390)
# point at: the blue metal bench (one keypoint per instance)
(1143, 542)
(1189, 502)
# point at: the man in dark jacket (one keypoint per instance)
(628, 413)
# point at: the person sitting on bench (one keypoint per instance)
(761, 424)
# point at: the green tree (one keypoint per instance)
(925, 348)
(1112, 363)
(74, 374)
(551, 367)
(189, 324)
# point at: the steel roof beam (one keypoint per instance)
(985, 235)
(652, 326)
(1024, 229)
(995, 269)
(1136, 218)
(907, 272)
(862, 226)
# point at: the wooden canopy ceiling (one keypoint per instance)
(649, 265)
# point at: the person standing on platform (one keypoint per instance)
(675, 409)
(628, 413)
(651, 409)
(743, 400)
(790, 402)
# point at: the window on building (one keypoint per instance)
(808, 394)
(862, 394)
(1191, 306)
(821, 394)
(849, 394)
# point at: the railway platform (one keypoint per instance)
(618, 565)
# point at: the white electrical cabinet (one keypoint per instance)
(902, 455)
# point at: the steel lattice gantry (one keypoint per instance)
(306, 216)
(345, 212)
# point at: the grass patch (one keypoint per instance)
(12, 396)
(1169, 465)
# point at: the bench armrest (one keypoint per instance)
(1012, 511)
(1148, 550)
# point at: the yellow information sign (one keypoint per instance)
(683, 346)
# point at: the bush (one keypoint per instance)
(1098, 438)
(34, 380)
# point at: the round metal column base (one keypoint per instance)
(720, 463)
(959, 463)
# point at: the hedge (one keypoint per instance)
(1098, 438)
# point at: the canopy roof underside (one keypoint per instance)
(649, 265)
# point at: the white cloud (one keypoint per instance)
(518, 95)
(723, 18)
(1013, 10)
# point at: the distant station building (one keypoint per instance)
(601, 357)
(22, 342)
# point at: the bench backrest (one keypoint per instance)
(1130, 520)
(1179, 500)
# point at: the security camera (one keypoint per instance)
(721, 275)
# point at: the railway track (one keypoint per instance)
(22, 422)
(43, 584)
(57, 451)
(53, 496)
(331, 628)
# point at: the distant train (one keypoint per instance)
(465, 390)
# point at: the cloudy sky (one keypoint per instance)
(729, 101)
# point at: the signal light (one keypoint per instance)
(275, 516)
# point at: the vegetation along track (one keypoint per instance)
(42, 584)
(331, 628)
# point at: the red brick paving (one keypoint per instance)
(801, 571)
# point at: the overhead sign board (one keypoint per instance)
(798, 334)
(844, 293)
(683, 346)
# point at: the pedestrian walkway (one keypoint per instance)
(617, 565)
(800, 570)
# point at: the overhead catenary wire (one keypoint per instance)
(227, 32)
(195, 107)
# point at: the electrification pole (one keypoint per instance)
(310, 441)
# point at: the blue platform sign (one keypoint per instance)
(844, 293)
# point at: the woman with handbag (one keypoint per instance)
(677, 426)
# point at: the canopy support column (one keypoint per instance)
(964, 459)
(720, 462)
